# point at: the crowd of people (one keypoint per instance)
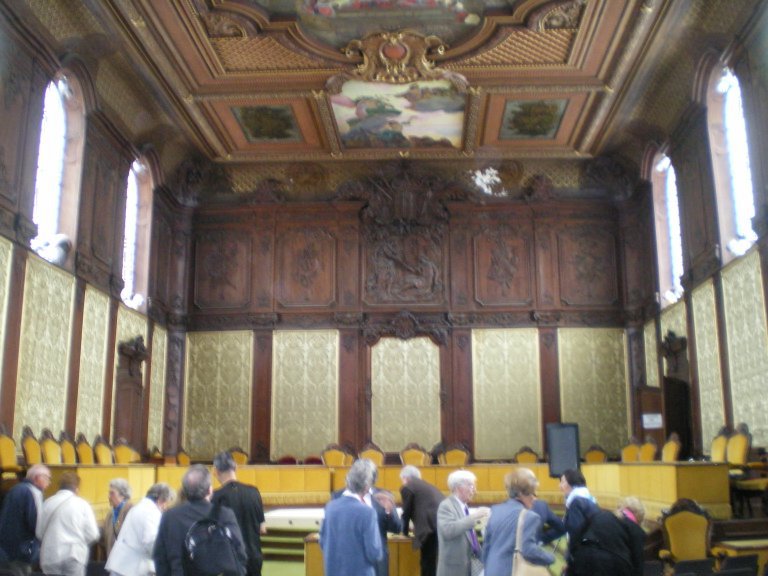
(151, 536)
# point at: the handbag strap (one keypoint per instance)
(519, 534)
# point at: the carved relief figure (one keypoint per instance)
(504, 263)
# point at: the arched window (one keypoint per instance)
(137, 235)
(730, 161)
(669, 245)
(59, 164)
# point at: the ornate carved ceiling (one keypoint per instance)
(299, 94)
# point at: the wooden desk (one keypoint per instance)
(403, 559)
(757, 546)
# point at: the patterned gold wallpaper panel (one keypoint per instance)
(747, 344)
(593, 385)
(93, 363)
(405, 381)
(46, 327)
(6, 248)
(305, 392)
(651, 354)
(674, 319)
(157, 388)
(217, 398)
(708, 362)
(505, 392)
(129, 325)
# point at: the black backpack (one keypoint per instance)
(210, 549)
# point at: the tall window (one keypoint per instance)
(730, 160)
(136, 237)
(59, 166)
(669, 243)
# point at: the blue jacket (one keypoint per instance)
(552, 526)
(18, 519)
(349, 538)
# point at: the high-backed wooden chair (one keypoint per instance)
(718, 448)
(737, 450)
(630, 452)
(103, 451)
(373, 453)
(526, 455)
(335, 455)
(84, 450)
(647, 452)
(31, 447)
(415, 455)
(68, 452)
(670, 451)
(456, 455)
(125, 453)
(239, 455)
(686, 530)
(182, 458)
(49, 447)
(595, 455)
(9, 466)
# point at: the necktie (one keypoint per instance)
(472, 536)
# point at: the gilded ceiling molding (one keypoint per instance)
(396, 58)
(562, 15)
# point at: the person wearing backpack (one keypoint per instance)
(181, 549)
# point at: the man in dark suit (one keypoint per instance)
(175, 523)
(420, 503)
(245, 502)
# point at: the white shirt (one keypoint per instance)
(66, 529)
(132, 553)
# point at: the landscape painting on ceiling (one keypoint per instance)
(427, 114)
(267, 123)
(531, 119)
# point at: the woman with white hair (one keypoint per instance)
(456, 538)
(119, 497)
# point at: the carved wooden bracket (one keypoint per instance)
(406, 326)
(135, 352)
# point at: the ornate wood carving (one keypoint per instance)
(405, 326)
(587, 267)
(222, 270)
(503, 271)
(306, 260)
(129, 399)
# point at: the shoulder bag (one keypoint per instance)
(521, 566)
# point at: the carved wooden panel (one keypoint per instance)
(587, 266)
(306, 267)
(223, 269)
(162, 244)
(637, 262)
(262, 273)
(503, 258)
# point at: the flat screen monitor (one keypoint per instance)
(563, 446)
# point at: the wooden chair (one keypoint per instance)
(84, 450)
(647, 452)
(737, 450)
(9, 466)
(630, 452)
(125, 453)
(335, 455)
(49, 447)
(68, 452)
(373, 453)
(239, 455)
(718, 447)
(526, 455)
(182, 458)
(415, 455)
(670, 451)
(31, 447)
(103, 451)
(456, 455)
(595, 455)
(686, 529)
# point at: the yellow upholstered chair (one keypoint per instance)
(373, 453)
(84, 450)
(31, 447)
(182, 458)
(737, 450)
(415, 455)
(718, 447)
(49, 447)
(630, 452)
(239, 455)
(68, 452)
(335, 455)
(647, 452)
(457, 455)
(670, 451)
(125, 454)
(526, 455)
(9, 466)
(686, 530)
(102, 451)
(595, 455)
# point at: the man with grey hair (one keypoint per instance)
(349, 534)
(420, 502)
(119, 497)
(245, 502)
(132, 553)
(18, 517)
(174, 525)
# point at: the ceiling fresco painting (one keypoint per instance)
(425, 114)
(525, 119)
(268, 123)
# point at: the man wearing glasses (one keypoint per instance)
(18, 518)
